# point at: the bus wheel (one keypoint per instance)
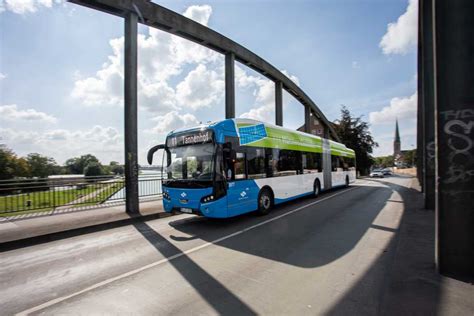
(265, 202)
(317, 188)
(347, 181)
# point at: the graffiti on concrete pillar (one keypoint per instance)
(430, 155)
(459, 127)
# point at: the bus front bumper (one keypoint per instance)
(214, 209)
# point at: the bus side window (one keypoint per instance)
(313, 162)
(304, 160)
(334, 162)
(289, 163)
(351, 163)
(239, 166)
(256, 163)
(345, 164)
(318, 158)
(271, 161)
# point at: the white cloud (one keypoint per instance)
(17, 137)
(106, 88)
(25, 6)
(401, 108)
(264, 93)
(199, 13)
(12, 113)
(157, 97)
(402, 35)
(201, 88)
(2, 76)
(291, 77)
(161, 56)
(173, 120)
(264, 109)
(105, 142)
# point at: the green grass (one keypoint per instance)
(105, 194)
(45, 200)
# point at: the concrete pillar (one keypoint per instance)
(307, 119)
(454, 108)
(279, 103)
(419, 131)
(427, 77)
(130, 98)
(229, 86)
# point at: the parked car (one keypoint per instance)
(386, 172)
(376, 174)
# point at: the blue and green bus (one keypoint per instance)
(235, 166)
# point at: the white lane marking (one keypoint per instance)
(164, 260)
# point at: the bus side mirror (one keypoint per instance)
(152, 151)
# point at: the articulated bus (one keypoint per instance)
(235, 166)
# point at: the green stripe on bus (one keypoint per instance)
(293, 136)
(282, 139)
(285, 144)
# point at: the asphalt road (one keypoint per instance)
(312, 256)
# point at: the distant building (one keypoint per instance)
(398, 153)
(65, 179)
(315, 126)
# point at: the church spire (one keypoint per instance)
(397, 133)
(396, 143)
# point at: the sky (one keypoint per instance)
(61, 71)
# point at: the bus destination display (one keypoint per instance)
(199, 137)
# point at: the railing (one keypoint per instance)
(50, 194)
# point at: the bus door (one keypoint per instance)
(240, 193)
(327, 164)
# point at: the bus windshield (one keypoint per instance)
(193, 162)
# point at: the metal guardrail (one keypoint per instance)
(47, 194)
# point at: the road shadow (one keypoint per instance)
(411, 285)
(319, 226)
(403, 278)
(210, 289)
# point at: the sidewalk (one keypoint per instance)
(13, 229)
(414, 287)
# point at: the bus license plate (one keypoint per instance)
(186, 210)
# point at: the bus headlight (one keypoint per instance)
(166, 196)
(207, 199)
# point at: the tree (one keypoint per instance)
(22, 168)
(41, 166)
(93, 169)
(12, 166)
(117, 169)
(7, 163)
(409, 158)
(355, 134)
(77, 165)
(385, 161)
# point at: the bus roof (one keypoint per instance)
(260, 134)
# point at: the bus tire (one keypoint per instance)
(316, 188)
(265, 202)
(347, 181)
